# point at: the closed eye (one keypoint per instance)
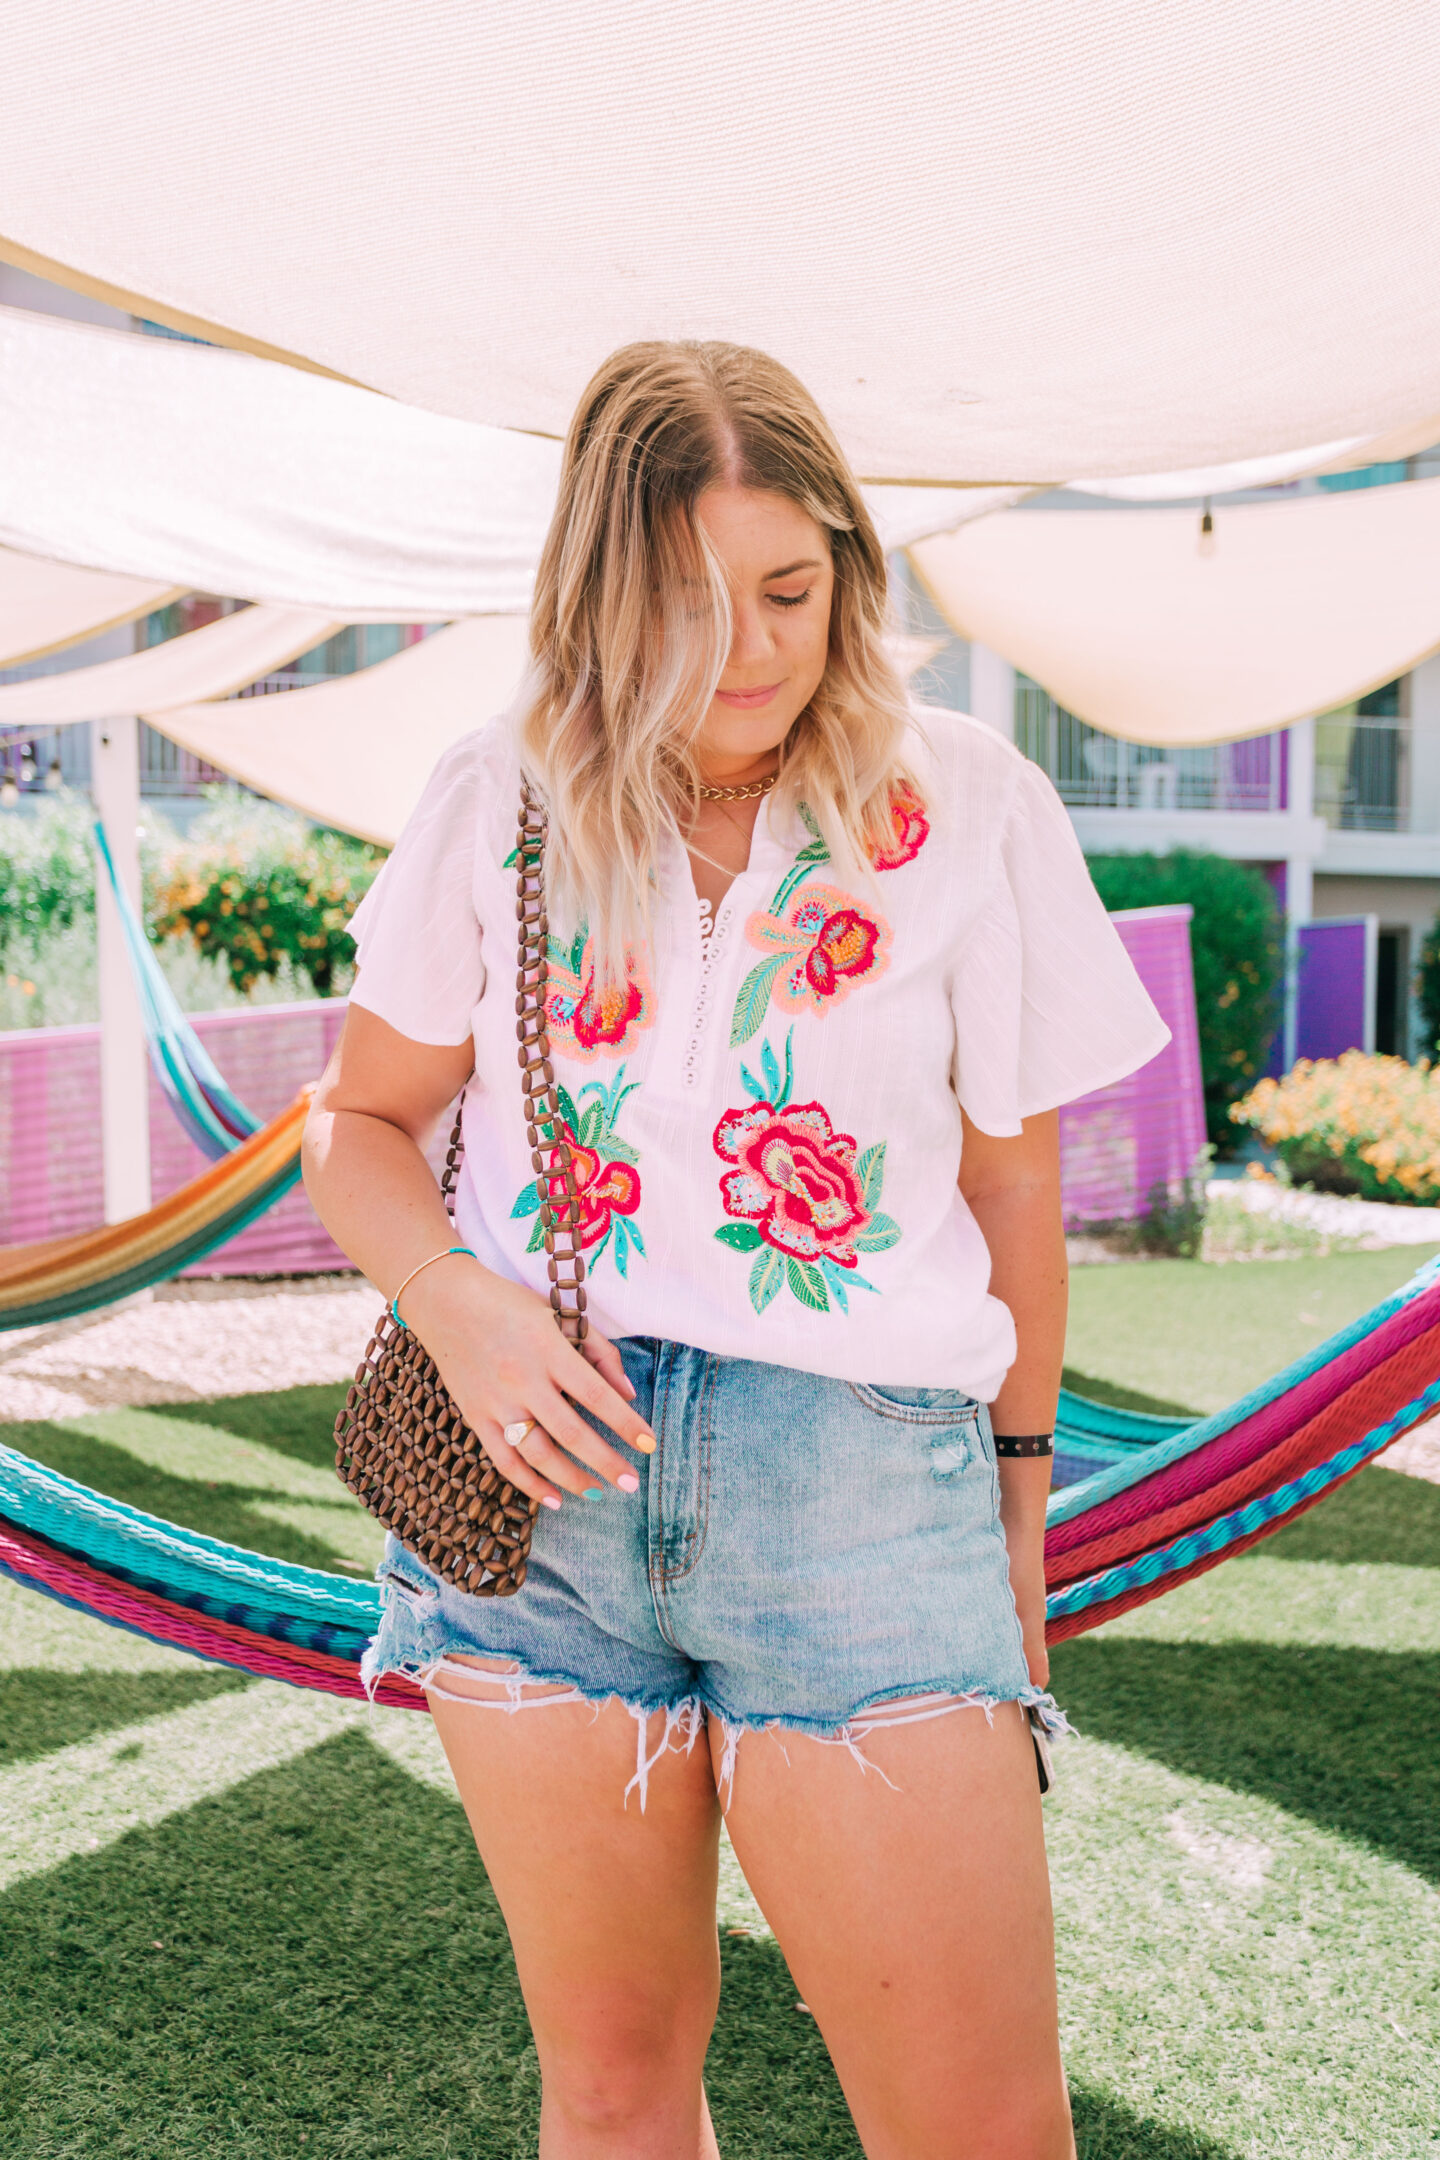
(792, 599)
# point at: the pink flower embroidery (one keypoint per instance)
(587, 1020)
(910, 827)
(795, 1179)
(833, 946)
(604, 1189)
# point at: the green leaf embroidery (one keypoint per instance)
(577, 950)
(835, 1278)
(770, 1066)
(766, 1277)
(632, 1231)
(879, 1234)
(752, 1085)
(622, 1244)
(808, 1284)
(621, 1150)
(870, 1169)
(527, 1204)
(754, 1000)
(787, 1089)
(591, 1126)
(739, 1236)
(511, 859)
(537, 1235)
(567, 1107)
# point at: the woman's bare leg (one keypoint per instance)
(611, 1913)
(915, 1917)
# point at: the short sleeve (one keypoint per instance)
(1047, 1002)
(419, 938)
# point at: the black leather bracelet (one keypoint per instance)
(1035, 1443)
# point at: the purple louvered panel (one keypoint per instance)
(1148, 1129)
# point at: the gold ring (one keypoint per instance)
(512, 1435)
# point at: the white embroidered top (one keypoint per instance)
(766, 1117)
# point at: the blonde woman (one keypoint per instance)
(821, 971)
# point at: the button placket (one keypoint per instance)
(714, 933)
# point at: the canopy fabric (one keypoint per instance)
(1260, 472)
(205, 663)
(239, 476)
(357, 751)
(45, 606)
(1296, 606)
(1001, 244)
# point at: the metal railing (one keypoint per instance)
(1095, 771)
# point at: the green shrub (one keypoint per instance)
(1237, 946)
(47, 869)
(260, 887)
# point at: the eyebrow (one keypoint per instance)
(789, 571)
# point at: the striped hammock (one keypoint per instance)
(1159, 1514)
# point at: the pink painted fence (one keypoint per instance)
(1115, 1144)
(1119, 1142)
(51, 1179)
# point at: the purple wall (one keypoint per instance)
(1120, 1141)
(1335, 991)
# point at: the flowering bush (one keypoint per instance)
(1356, 1124)
(259, 886)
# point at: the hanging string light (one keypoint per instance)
(9, 791)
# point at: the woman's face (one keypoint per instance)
(781, 578)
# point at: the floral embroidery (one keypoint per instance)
(815, 955)
(587, 1020)
(911, 830)
(606, 1179)
(801, 1198)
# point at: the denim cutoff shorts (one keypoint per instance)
(801, 1551)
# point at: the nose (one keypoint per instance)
(751, 640)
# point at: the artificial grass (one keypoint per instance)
(1200, 1336)
(41, 1711)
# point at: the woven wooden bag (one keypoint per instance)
(401, 1445)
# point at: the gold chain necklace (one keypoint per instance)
(738, 794)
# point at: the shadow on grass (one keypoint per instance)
(218, 1510)
(41, 1711)
(1104, 2130)
(333, 1964)
(298, 1421)
(1340, 1736)
(1378, 1516)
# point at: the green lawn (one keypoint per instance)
(1198, 1336)
(241, 1920)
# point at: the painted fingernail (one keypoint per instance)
(549, 1499)
(592, 1492)
(645, 1441)
(628, 1482)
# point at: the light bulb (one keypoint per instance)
(54, 778)
(9, 793)
(28, 770)
(1206, 543)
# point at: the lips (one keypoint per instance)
(745, 700)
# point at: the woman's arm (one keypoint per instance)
(1013, 1190)
(498, 1349)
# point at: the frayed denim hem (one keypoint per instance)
(879, 1713)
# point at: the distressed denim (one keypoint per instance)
(801, 1552)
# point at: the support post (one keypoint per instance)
(992, 689)
(124, 1069)
(1299, 876)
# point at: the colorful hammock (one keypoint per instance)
(1128, 1532)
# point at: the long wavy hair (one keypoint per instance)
(631, 626)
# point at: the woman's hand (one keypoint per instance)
(1027, 1580)
(503, 1360)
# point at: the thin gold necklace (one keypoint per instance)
(738, 794)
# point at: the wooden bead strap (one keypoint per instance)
(401, 1446)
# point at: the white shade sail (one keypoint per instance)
(1134, 622)
(205, 663)
(45, 606)
(240, 476)
(1000, 243)
(356, 752)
